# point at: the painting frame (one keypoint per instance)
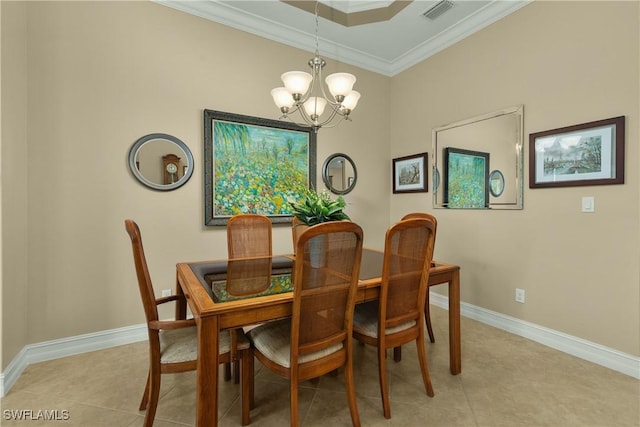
(587, 154)
(463, 190)
(402, 166)
(279, 140)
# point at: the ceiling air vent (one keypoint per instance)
(438, 9)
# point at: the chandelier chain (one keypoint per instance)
(317, 30)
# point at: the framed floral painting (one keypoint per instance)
(255, 165)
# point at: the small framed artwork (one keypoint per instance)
(466, 178)
(409, 174)
(586, 154)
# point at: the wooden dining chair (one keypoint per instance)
(317, 338)
(427, 308)
(173, 343)
(297, 227)
(396, 317)
(248, 235)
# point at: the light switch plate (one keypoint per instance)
(588, 204)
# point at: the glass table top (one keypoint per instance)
(231, 280)
(223, 290)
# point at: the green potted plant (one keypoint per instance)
(315, 208)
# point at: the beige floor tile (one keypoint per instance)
(506, 381)
(51, 410)
(332, 409)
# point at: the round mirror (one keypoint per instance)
(161, 161)
(339, 173)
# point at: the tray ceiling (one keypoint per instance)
(386, 37)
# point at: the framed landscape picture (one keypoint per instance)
(466, 178)
(409, 174)
(586, 154)
(255, 165)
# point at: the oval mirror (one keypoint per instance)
(496, 183)
(161, 161)
(339, 173)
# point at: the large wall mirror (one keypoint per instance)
(161, 161)
(339, 173)
(478, 162)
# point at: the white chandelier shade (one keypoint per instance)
(296, 82)
(314, 106)
(340, 84)
(282, 97)
(351, 100)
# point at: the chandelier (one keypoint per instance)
(304, 93)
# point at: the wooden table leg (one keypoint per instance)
(397, 354)
(181, 302)
(207, 374)
(455, 347)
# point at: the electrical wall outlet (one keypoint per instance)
(520, 295)
(166, 292)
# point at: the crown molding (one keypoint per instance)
(226, 14)
(257, 25)
(484, 17)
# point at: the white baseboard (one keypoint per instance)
(48, 350)
(578, 347)
(596, 353)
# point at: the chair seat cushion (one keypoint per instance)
(365, 321)
(181, 345)
(273, 340)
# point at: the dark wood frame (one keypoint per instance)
(470, 153)
(210, 116)
(617, 126)
(425, 184)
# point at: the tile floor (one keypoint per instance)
(506, 381)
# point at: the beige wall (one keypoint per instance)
(13, 178)
(1, 275)
(568, 63)
(100, 75)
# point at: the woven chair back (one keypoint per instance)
(248, 276)
(408, 254)
(415, 215)
(326, 273)
(249, 235)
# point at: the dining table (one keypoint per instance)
(207, 289)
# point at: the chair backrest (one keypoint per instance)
(297, 227)
(408, 254)
(249, 235)
(414, 215)
(325, 279)
(142, 271)
(248, 276)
